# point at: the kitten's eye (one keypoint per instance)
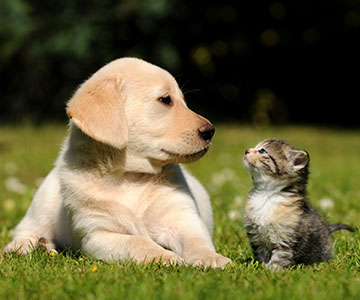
(166, 100)
(262, 151)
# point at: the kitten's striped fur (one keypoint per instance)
(282, 226)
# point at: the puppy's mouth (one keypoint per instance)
(187, 156)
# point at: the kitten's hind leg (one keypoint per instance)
(281, 258)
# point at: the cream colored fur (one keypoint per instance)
(116, 191)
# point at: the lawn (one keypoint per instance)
(27, 154)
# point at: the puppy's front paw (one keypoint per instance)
(166, 257)
(24, 246)
(210, 259)
(21, 246)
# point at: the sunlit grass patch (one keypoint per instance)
(27, 154)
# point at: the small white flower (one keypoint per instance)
(225, 175)
(326, 204)
(228, 173)
(14, 185)
(218, 179)
(238, 200)
(53, 252)
(234, 214)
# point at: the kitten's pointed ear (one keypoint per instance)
(97, 108)
(300, 159)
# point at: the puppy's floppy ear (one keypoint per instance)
(97, 108)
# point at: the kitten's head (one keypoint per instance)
(277, 163)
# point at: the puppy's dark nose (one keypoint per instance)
(206, 132)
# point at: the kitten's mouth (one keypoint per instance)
(246, 161)
(247, 164)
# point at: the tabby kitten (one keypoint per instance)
(282, 226)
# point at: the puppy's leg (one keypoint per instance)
(35, 230)
(111, 246)
(198, 251)
(22, 245)
(29, 243)
(177, 225)
(39, 221)
(195, 240)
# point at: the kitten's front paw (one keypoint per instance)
(273, 267)
(213, 260)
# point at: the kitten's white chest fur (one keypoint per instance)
(269, 218)
(261, 205)
(260, 210)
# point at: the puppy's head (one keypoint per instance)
(133, 105)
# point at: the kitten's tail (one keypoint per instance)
(335, 227)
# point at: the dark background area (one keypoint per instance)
(264, 62)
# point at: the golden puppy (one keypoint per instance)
(116, 192)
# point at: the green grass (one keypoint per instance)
(27, 154)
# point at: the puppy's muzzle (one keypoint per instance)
(206, 132)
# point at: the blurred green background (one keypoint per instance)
(264, 62)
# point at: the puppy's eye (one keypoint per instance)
(262, 151)
(166, 100)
